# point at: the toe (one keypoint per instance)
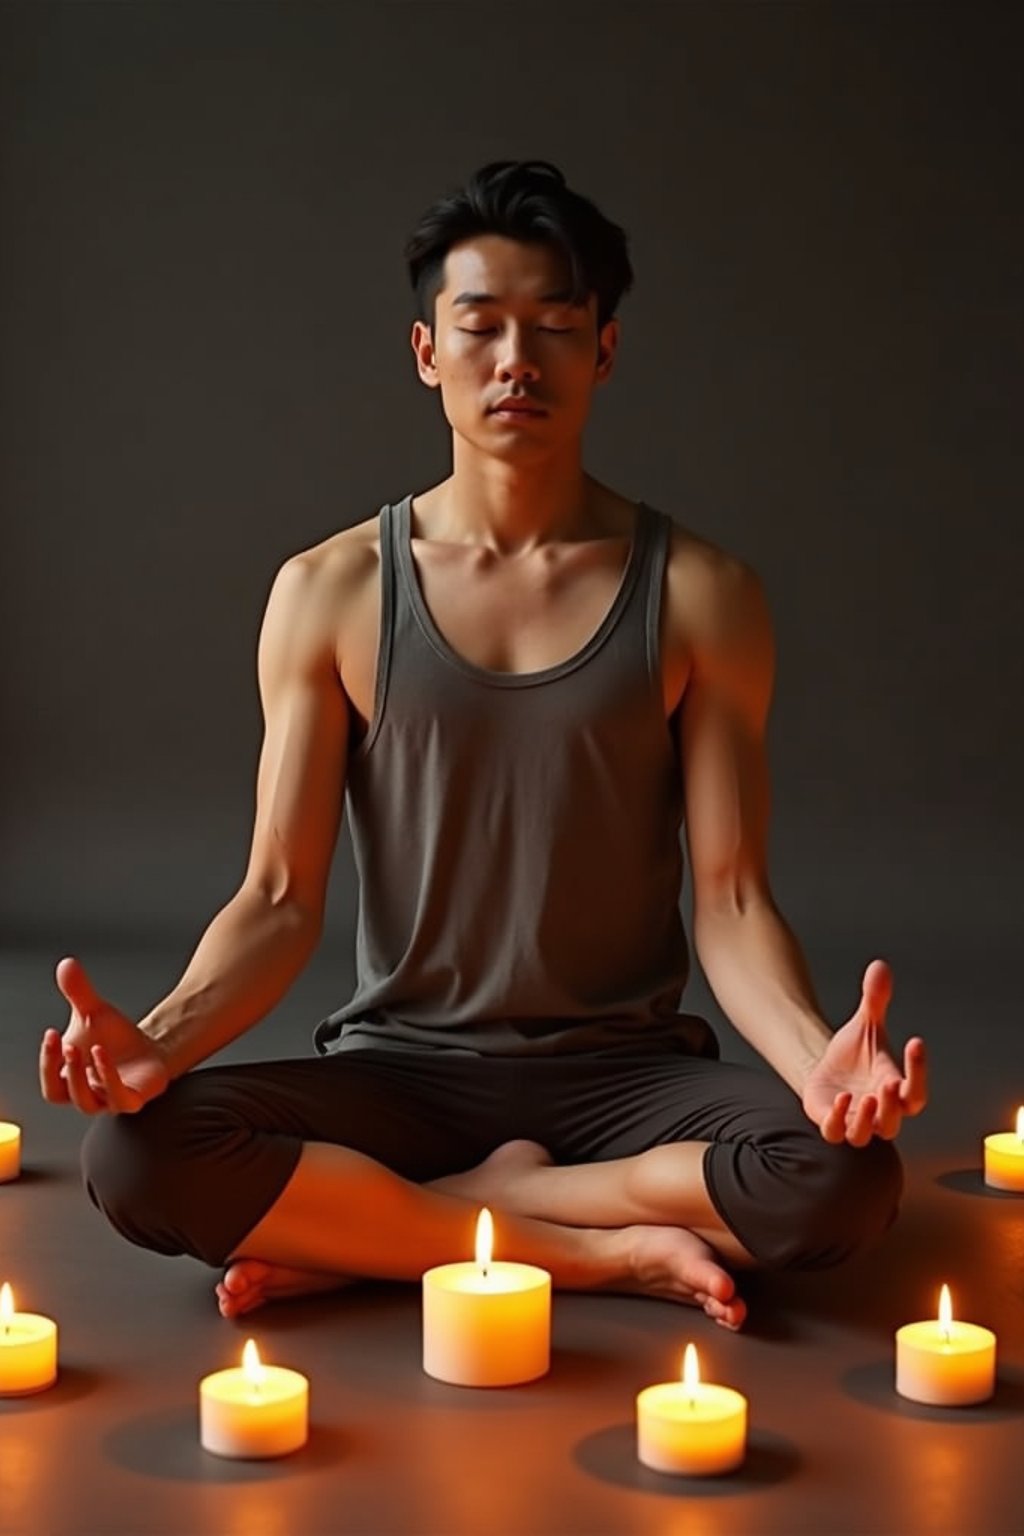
(731, 1316)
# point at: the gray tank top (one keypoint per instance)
(517, 835)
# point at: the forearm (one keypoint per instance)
(758, 973)
(244, 963)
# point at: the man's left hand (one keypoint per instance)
(856, 1090)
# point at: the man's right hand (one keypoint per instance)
(102, 1062)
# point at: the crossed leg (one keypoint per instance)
(395, 1229)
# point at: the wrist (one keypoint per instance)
(814, 1038)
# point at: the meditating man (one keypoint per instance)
(527, 684)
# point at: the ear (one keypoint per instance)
(422, 342)
(607, 345)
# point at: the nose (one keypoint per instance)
(514, 360)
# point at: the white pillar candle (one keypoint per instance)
(945, 1363)
(487, 1323)
(691, 1427)
(10, 1151)
(254, 1411)
(28, 1349)
(1004, 1157)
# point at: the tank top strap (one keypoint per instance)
(657, 532)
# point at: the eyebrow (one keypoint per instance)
(563, 296)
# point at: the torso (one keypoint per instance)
(508, 615)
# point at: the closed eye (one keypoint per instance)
(554, 330)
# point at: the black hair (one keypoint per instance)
(525, 200)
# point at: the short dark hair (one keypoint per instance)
(526, 200)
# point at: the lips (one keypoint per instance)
(518, 408)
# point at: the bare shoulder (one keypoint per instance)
(332, 590)
(714, 598)
(340, 565)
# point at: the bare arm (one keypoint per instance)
(847, 1080)
(750, 956)
(258, 943)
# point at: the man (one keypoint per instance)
(523, 680)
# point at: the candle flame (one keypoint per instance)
(484, 1239)
(1020, 1123)
(945, 1312)
(6, 1303)
(691, 1369)
(252, 1365)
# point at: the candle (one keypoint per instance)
(28, 1349)
(255, 1411)
(1004, 1157)
(10, 1151)
(691, 1426)
(946, 1363)
(486, 1324)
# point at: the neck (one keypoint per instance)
(513, 508)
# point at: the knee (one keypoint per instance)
(127, 1176)
(845, 1199)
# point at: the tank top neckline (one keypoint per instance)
(402, 546)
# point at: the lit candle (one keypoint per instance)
(487, 1323)
(28, 1349)
(10, 1151)
(254, 1411)
(945, 1362)
(691, 1426)
(1004, 1157)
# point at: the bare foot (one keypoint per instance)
(680, 1266)
(248, 1283)
(498, 1178)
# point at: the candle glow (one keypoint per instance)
(10, 1151)
(945, 1363)
(1004, 1158)
(484, 1240)
(486, 1323)
(254, 1411)
(690, 1427)
(28, 1349)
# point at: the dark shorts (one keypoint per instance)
(197, 1168)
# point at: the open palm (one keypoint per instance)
(857, 1090)
(103, 1061)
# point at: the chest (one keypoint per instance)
(505, 614)
(520, 614)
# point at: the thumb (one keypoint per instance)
(77, 988)
(876, 991)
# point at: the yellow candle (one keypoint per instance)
(1004, 1157)
(28, 1349)
(946, 1363)
(254, 1411)
(10, 1151)
(690, 1426)
(486, 1324)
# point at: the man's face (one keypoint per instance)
(504, 326)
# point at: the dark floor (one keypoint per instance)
(114, 1446)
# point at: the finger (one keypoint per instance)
(50, 1062)
(876, 990)
(860, 1121)
(890, 1112)
(833, 1124)
(72, 980)
(81, 1095)
(120, 1098)
(914, 1091)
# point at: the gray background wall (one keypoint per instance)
(205, 367)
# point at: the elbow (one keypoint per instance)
(289, 907)
(725, 896)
